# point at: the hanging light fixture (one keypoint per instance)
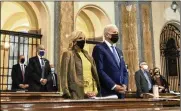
(174, 6)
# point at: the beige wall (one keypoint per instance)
(161, 14)
(92, 17)
(50, 36)
(103, 5)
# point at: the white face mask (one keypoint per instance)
(52, 69)
(145, 67)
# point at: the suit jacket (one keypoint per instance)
(108, 70)
(34, 73)
(50, 86)
(141, 82)
(17, 77)
(72, 83)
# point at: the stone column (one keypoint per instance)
(0, 15)
(146, 33)
(136, 40)
(66, 26)
(57, 37)
(129, 41)
(180, 53)
(0, 51)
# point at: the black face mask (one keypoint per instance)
(114, 38)
(81, 44)
(22, 60)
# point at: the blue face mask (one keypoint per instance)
(41, 52)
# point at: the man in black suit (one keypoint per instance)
(18, 75)
(38, 71)
(52, 85)
(143, 80)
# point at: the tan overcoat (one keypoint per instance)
(72, 83)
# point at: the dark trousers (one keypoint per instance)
(43, 88)
(121, 96)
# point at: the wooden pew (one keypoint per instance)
(38, 101)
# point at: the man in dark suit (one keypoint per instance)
(110, 64)
(38, 71)
(18, 75)
(52, 85)
(143, 80)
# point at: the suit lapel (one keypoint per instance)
(19, 71)
(87, 56)
(38, 63)
(142, 74)
(45, 63)
(110, 54)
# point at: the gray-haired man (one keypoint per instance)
(143, 80)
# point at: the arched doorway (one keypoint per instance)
(169, 52)
(18, 18)
(91, 19)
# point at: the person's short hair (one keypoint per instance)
(40, 47)
(21, 56)
(142, 63)
(108, 27)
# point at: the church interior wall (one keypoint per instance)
(161, 15)
(104, 5)
(161, 12)
(50, 39)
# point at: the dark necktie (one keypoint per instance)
(53, 78)
(22, 71)
(43, 68)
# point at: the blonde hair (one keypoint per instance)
(75, 35)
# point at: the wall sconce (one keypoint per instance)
(128, 6)
(174, 6)
(6, 45)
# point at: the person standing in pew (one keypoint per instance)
(159, 80)
(110, 64)
(143, 80)
(37, 71)
(52, 85)
(18, 75)
(79, 77)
